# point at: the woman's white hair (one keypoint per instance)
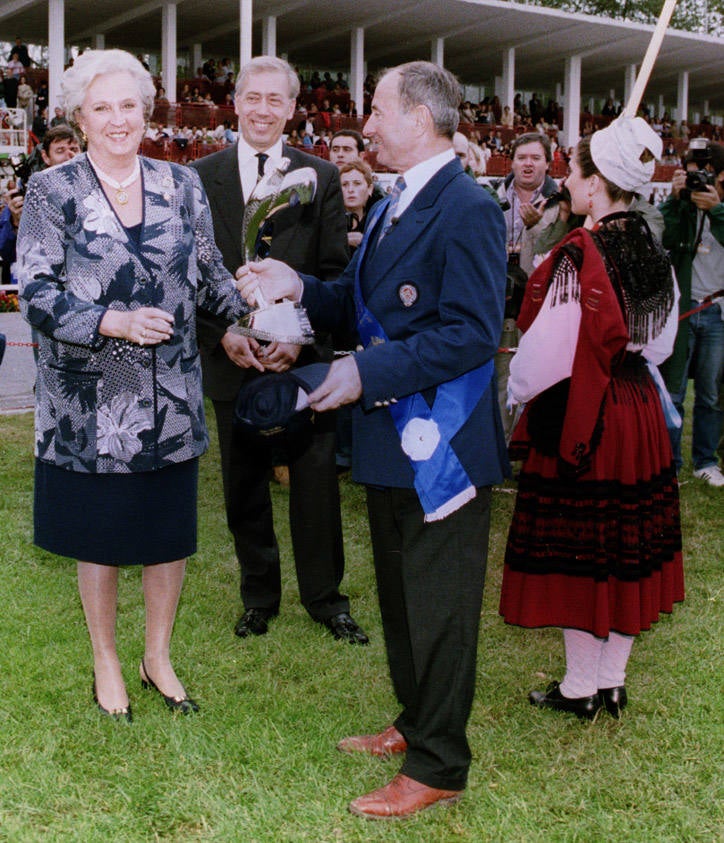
(77, 79)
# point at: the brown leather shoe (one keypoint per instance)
(402, 797)
(389, 742)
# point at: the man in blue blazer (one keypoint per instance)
(426, 291)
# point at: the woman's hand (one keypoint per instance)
(145, 326)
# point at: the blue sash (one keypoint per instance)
(425, 432)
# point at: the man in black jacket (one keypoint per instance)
(313, 239)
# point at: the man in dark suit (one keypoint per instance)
(426, 291)
(313, 239)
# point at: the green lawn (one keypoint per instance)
(258, 763)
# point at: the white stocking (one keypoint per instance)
(614, 657)
(583, 653)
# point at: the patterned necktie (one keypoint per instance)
(391, 212)
(261, 161)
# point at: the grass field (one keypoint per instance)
(258, 763)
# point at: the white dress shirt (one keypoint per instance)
(249, 164)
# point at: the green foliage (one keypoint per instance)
(258, 764)
(690, 15)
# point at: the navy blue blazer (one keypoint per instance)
(436, 283)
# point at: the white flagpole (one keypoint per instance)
(647, 64)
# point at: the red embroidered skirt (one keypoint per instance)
(599, 552)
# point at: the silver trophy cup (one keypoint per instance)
(283, 321)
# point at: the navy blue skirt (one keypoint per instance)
(117, 519)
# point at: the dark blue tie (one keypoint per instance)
(261, 161)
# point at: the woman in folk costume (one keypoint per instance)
(595, 542)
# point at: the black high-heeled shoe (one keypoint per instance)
(119, 714)
(183, 704)
(614, 699)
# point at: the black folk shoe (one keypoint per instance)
(614, 699)
(583, 707)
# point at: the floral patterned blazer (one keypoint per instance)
(106, 405)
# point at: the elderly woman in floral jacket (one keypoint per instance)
(115, 253)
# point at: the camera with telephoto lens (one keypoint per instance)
(22, 172)
(697, 180)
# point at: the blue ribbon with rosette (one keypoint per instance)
(425, 432)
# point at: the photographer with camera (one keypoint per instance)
(535, 214)
(694, 234)
(60, 144)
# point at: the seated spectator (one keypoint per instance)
(293, 138)
(507, 119)
(225, 69)
(466, 112)
(494, 142)
(185, 95)
(59, 118)
(307, 139)
(161, 98)
(477, 159)
(609, 109)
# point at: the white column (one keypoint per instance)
(508, 85)
(498, 88)
(56, 51)
(706, 107)
(629, 82)
(197, 59)
(572, 111)
(99, 41)
(357, 67)
(592, 105)
(269, 36)
(660, 107)
(245, 25)
(168, 49)
(559, 93)
(437, 52)
(682, 96)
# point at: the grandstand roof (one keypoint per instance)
(315, 34)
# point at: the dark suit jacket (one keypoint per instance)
(311, 238)
(436, 283)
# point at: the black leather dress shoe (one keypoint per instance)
(343, 627)
(614, 699)
(253, 622)
(586, 707)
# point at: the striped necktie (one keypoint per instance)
(391, 212)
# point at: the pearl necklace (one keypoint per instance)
(119, 186)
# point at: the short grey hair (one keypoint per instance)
(268, 64)
(93, 63)
(428, 84)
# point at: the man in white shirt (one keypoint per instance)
(312, 238)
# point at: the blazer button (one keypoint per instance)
(144, 402)
(378, 403)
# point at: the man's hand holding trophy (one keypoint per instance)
(280, 319)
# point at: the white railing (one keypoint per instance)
(13, 131)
